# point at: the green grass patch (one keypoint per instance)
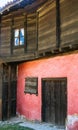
(14, 127)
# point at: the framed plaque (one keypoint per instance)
(31, 85)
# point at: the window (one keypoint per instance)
(19, 37)
(31, 85)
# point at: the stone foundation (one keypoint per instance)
(72, 122)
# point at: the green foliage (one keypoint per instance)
(14, 127)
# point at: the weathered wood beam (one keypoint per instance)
(12, 37)
(37, 21)
(57, 23)
(25, 33)
(9, 85)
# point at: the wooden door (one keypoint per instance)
(5, 95)
(13, 89)
(48, 103)
(54, 101)
(9, 91)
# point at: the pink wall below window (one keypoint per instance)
(60, 66)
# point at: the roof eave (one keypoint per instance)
(7, 8)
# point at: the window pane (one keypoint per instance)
(16, 41)
(17, 33)
(21, 40)
(21, 32)
(19, 37)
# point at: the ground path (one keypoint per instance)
(31, 124)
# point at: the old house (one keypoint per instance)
(39, 61)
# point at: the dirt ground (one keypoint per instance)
(31, 124)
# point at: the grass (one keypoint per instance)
(14, 127)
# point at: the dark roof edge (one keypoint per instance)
(7, 7)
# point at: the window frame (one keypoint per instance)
(18, 37)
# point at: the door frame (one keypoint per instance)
(53, 78)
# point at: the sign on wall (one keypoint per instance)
(31, 85)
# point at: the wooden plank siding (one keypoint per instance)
(47, 26)
(46, 29)
(5, 40)
(12, 22)
(32, 31)
(69, 22)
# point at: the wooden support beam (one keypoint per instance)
(25, 33)
(12, 36)
(57, 24)
(37, 27)
(9, 85)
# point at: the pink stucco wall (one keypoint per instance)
(60, 66)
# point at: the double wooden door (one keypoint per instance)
(9, 91)
(54, 101)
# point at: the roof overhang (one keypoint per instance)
(15, 5)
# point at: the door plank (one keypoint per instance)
(9, 91)
(54, 100)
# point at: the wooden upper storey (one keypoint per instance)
(43, 28)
